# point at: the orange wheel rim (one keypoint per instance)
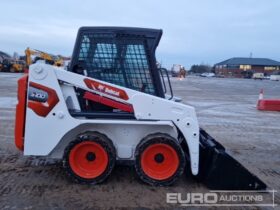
(88, 159)
(159, 161)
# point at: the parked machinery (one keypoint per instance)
(39, 55)
(111, 107)
(178, 70)
(12, 65)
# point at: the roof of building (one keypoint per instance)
(4, 55)
(250, 61)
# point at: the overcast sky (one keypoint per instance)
(196, 31)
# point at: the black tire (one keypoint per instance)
(159, 138)
(99, 139)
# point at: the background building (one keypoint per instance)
(245, 67)
(3, 56)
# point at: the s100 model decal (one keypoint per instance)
(41, 99)
(35, 94)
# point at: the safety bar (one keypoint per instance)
(168, 79)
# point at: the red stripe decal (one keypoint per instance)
(109, 102)
(116, 92)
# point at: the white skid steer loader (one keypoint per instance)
(111, 107)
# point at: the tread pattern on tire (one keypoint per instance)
(159, 138)
(99, 138)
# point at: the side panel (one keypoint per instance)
(183, 116)
(51, 129)
(125, 135)
(44, 133)
(20, 112)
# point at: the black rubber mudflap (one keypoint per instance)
(219, 171)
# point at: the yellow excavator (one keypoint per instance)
(39, 55)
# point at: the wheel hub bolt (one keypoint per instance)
(90, 156)
(159, 158)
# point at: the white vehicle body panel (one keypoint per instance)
(258, 76)
(275, 77)
(50, 135)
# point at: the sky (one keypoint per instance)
(194, 31)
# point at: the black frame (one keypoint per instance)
(152, 37)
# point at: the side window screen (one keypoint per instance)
(137, 69)
(84, 48)
(105, 55)
(121, 60)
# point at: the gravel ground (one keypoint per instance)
(226, 108)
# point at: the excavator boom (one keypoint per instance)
(40, 55)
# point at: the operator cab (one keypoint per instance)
(121, 56)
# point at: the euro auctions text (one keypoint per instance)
(223, 198)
